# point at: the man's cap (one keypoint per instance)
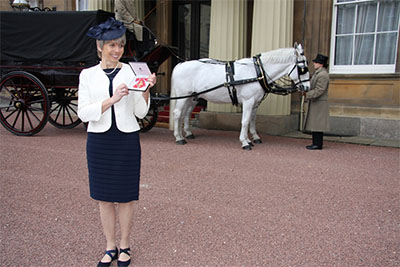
(321, 59)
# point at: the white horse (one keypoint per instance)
(196, 76)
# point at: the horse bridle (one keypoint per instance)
(272, 87)
(300, 71)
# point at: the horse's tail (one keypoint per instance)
(173, 91)
(173, 79)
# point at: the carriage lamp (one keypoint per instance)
(20, 4)
(32, 5)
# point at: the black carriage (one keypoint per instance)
(42, 54)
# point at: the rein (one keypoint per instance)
(225, 84)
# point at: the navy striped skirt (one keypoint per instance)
(113, 161)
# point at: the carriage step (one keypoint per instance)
(162, 118)
(196, 109)
(162, 124)
(163, 113)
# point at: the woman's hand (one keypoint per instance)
(152, 79)
(119, 93)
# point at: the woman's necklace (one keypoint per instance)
(109, 73)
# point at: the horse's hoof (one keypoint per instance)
(190, 136)
(251, 144)
(181, 142)
(248, 147)
(257, 141)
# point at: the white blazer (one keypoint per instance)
(94, 89)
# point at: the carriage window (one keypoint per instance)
(365, 36)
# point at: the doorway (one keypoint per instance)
(191, 28)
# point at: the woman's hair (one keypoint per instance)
(100, 43)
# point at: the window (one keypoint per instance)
(364, 36)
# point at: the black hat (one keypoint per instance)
(109, 30)
(321, 59)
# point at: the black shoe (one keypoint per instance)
(113, 257)
(124, 263)
(313, 147)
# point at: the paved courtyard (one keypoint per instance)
(207, 203)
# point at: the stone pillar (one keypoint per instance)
(227, 37)
(272, 29)
(139, 4)
(164, 34)
(105, 5)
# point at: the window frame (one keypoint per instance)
(359, 69)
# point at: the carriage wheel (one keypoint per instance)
(24, 103)
(150, 120)
(64, 108)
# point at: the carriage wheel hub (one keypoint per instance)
(19, 104)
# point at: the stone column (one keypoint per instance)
(227, 37)
(272, 29)
(164, 35)
(139, 4)
(105, 5)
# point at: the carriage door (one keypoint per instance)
(191, 28)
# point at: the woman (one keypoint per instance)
(113, 148)
(317, 116)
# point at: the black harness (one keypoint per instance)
(230, 80)
(262, 78)
(300, 71)
(261, 74)
(230, 72)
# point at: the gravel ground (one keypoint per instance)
(207, 203)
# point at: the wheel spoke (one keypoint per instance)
(29, 119)
(54, 109)
(69, 114)
(63, 115)
(36, 101)
(23, 120)
(73, 110)
(16, 118)
(34, 115)
(10, 114)
(58, 114)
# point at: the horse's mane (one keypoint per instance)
(279, 56)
